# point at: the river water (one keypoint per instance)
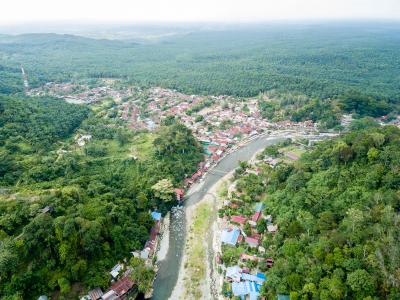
(168, 269)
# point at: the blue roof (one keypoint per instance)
(254, 295)
(259, 207)
(234, 272)
(239, 288)
(252, 278)
(283, 297)
(156, 215)
(43, 298)
(250, 286)
(261, 275)
(230, 237)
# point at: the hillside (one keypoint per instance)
(100, 194)
(314, 60)
(337, 209)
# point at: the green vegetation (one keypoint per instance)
(337, 210)
(317, 61)
(101, 196)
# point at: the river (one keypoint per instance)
(168, 269)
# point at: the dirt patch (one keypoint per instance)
(76, 288)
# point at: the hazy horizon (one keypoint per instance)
(121, 11)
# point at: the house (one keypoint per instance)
(246, 288)
(179, 194)
(257, 215)
(95, 294)
(239, 219)
(272, 228)
(156, 216)
(219, 259)
(253, 242)
(122, 287)
(115, 271)
(233, 273)
(253, 278)
(270, 262)
(233, 205)
(110, 295)
(47, 209)
(247, 257)
(291, 156)
(230, 236)
(259, 207)
(86, 137)
(245, 270)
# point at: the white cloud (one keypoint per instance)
(190, 10)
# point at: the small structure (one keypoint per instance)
(95, 294)
(115, 271)
(272, 228)
(283, 297)
(247, 257)
(43, 298)
(253, 242)
(230, 236)
(144, 254)
(86, 137)
(156, 216)
(48, 209)
(233, 205)
(219, 260)
(179, 194)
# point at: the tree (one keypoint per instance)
(164, 190)
(8, 257)
(64, 284)
(306, 220)
(361, 283)
(140, 274)
(354, 217)
(142, 201)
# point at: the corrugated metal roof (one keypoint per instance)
(95, 293)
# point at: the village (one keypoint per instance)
(222, 127)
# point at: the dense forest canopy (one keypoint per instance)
(338, 210)
(314, 60)
(100, 200)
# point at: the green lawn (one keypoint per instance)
(298, 152)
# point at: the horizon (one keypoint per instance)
(254, 11)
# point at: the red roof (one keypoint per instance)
(233, 205)
(239, 219)
(213, 148)
(251, 240)
(219, 260)
(178, 191)
(257, 216)
(256, 235)
(122, 286)
(248, 257)
(240, 238)
(245, 270)
(95, 293)
(225, 217)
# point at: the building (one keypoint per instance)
(233, 274)
(115, 271)
(253, 242)
(291, 156)
(239, 219)
(230, 236)
(96, 294)
(179, 194)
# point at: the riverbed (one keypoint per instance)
(169, 266)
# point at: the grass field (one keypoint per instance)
(298, 152)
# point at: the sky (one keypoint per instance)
(21, 11)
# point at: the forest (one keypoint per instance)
(100, 201)
(337, 209)
(318, 61)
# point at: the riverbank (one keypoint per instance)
(196, 278)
